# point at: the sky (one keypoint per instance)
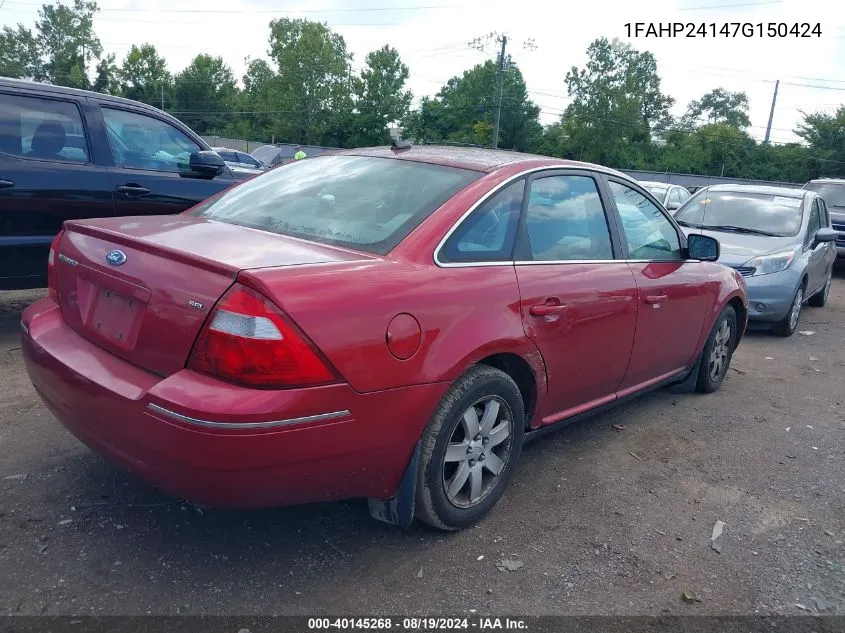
(545, 38)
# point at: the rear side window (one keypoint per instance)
(42, 129)
(362, 202)
(144, 142)
(488, 234)
(565, 220)
(675, 196)
(229, 157)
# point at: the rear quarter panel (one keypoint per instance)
(465, 314)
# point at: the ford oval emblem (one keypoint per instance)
(116, 257)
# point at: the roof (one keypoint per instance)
(76, 92)
(475, 158)
(655, 183)
(775, 191)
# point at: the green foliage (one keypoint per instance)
(143, 74)
(718, 106)
(206, 94)
(464, 110)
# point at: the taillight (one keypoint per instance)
(248, 341)
(52, 291)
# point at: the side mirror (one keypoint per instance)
(673, 205)
(826, 235)
(702, 247)
(206, 163)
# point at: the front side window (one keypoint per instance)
(229, 157)
(488, 234)
(144, 142)
(42, 129)
(361, 202)
(649, 234)
(814, 224)
(744, 212)
(565, 220)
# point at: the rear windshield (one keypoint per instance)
(833, 193)
(366, 203)
(777, 215)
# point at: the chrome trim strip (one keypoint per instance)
(246, 425)
(24, 328)
(502, 185)
(571, 261)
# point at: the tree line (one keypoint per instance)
(306, 92)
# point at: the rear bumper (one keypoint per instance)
(219, 444)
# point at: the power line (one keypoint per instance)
(264, 11)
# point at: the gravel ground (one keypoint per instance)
(603, 521)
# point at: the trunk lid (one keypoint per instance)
(142, 287)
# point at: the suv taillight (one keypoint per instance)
(52, 291)
(248, 341)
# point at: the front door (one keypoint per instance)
(47, 176)
(578, 300)
(673, 300)
(151, 174)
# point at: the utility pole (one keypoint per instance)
(162, 96)
(772, 112)
(499, 86)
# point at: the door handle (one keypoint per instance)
(546, 309)
(5, 184)
(132, 189)
(655, 299)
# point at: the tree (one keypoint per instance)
(463, 111)
(143, 74)
(19, 57)
(67, 42)
(381, 98)
(314, 75)
(61, 50)
(616, 105)
(205, 92)
(719, 106)
(107, 80)
(825, 134)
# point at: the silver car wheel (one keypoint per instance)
(719, 355)
(796, 309)
(478, 452)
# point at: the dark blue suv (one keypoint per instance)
(68, 154)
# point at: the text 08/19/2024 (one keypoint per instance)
(725, 29)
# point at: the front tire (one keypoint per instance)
(789, 323)
(718, 351)
(819, 299)
(470, 448)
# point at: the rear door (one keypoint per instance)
(578, 297)
(151, 174)
(672, 293)
(47, 176)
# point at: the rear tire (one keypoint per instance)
(470, 449)
(819, 299)
(718, 351)
(789, 323)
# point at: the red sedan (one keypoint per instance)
(383, 323)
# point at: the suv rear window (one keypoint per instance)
(361, 202)
(42, 129)
(832, 192)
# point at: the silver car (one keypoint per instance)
(670, 196)
(779, 239)
(242, 165)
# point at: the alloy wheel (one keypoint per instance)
(718, 362)
(796, 309)
(478, 452)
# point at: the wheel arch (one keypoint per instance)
(522, 373)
